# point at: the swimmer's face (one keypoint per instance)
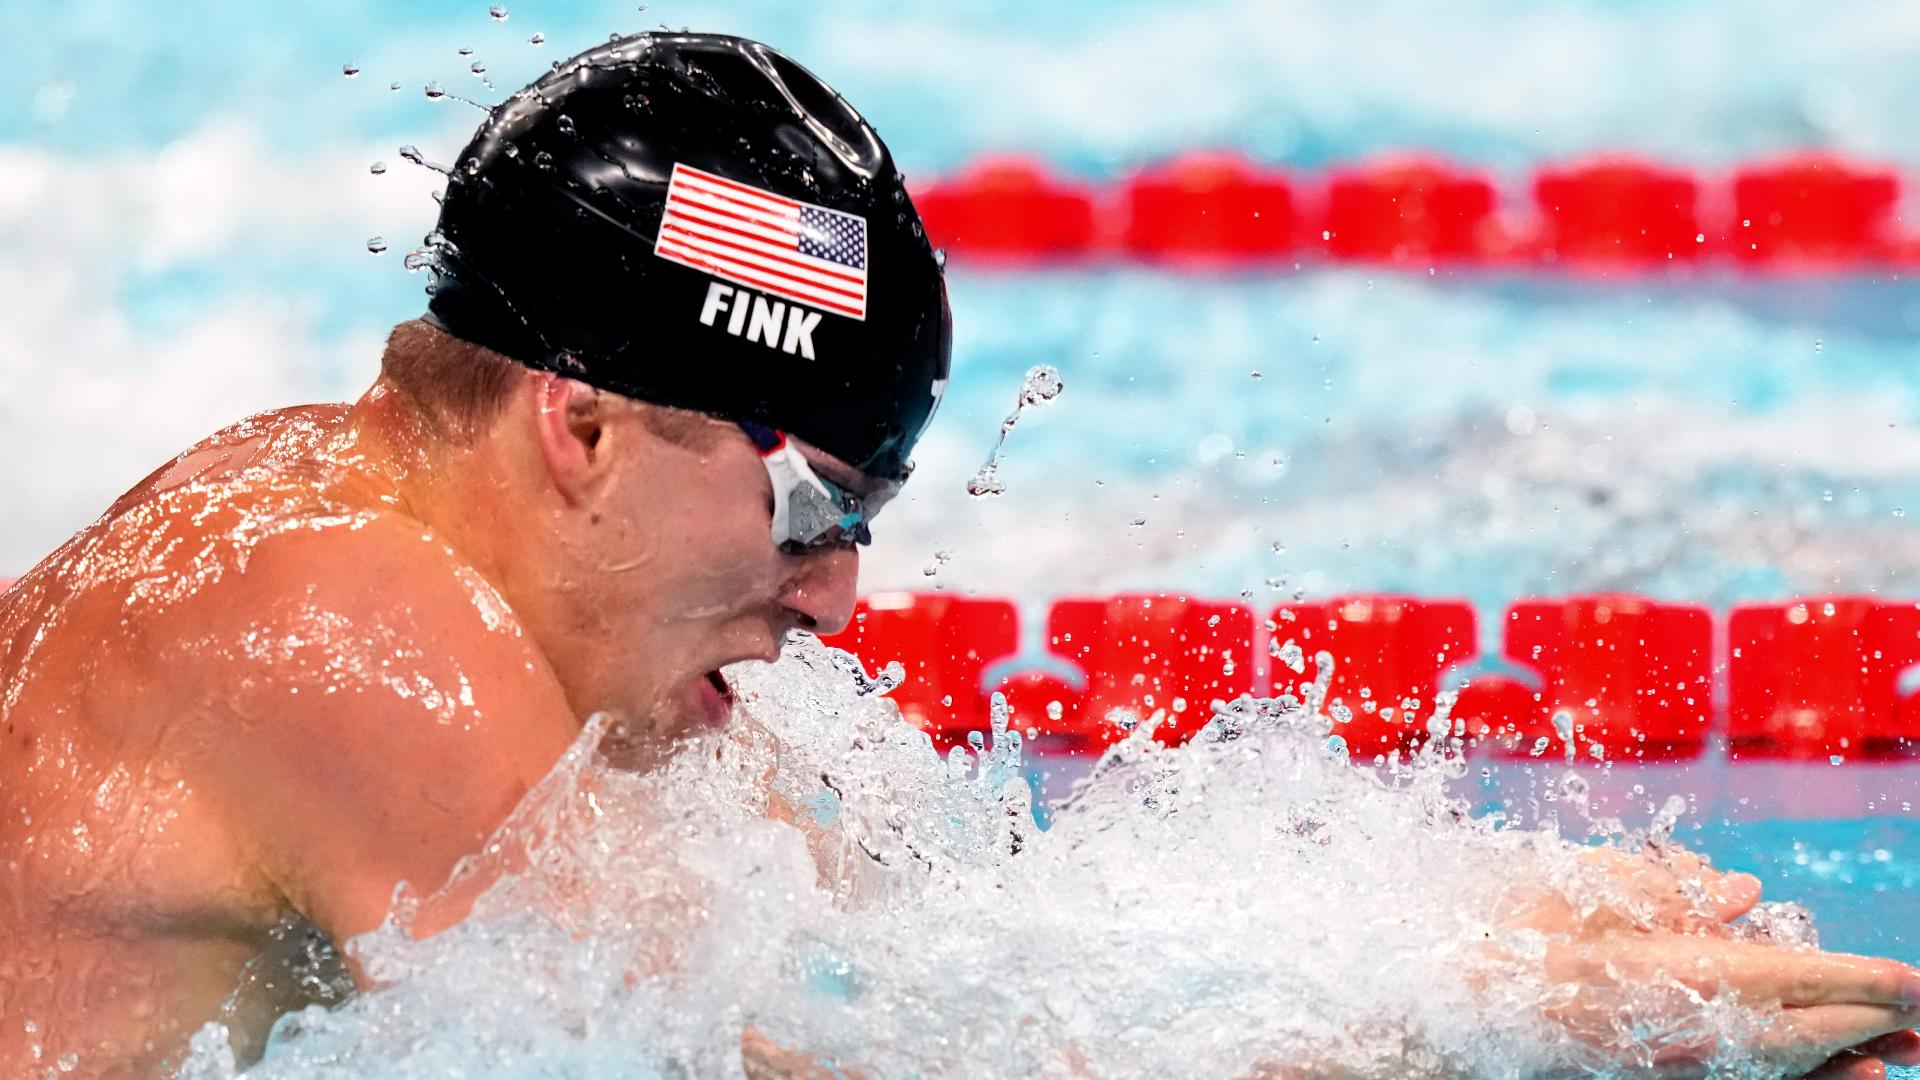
(667, 570)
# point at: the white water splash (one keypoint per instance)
(1249, 901)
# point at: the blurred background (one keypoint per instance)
(205, 210)
(189, 194)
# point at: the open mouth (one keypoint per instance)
(719, 683)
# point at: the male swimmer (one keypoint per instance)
(685, 332)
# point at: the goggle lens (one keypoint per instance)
(810, 512)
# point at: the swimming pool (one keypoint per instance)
(201, 188)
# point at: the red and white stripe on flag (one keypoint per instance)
(793, 249)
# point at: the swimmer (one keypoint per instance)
(684, 332)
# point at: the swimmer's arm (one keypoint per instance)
(374, 713)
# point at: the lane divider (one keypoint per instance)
(1599, 677)
(1805, 212)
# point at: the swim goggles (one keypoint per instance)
(811, 513)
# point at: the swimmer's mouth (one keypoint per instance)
(719, 683)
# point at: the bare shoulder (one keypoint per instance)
(371, 707)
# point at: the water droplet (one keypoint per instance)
(1899, 511)
(1289, 654)
(1042, 384)
(417, 261)
(1817, 346)
(1256, 374)
(478, 68)
(543, 160)
(377, 168)
(349, 69)
(1836, 759)
(564, 123)
(466, 50)
(499, 13)
(435, 91)
(394, 85)
(939, 255)
(537, 39)
(377, 244)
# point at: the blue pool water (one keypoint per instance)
(186, 198)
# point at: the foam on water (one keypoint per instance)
(1250, 901)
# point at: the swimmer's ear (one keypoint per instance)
(568, 427)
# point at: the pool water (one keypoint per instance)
(186, 200)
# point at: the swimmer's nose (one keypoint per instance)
(821, 595)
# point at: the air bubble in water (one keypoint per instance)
(499, 13)
(377, 244)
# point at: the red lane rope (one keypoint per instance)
(1810, 211)
(1611, 677)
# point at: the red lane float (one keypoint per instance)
(1813, 210)
(1634, 677)
(945, 643)
(1813, 678)
(1046, 709)
(1411, 210)
(1145, 654)
(1618, 210)
(1389, 653)
(1209, 207)
(1821, 678)
(1009, 207)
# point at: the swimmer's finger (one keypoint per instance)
(1734, 895)
(1792, 977)
(1678, 881)
(1897, 1048)
(1822, 1032)
(1850, 1065)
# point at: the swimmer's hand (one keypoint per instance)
(1841, 1016)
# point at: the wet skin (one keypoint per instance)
(326, 651)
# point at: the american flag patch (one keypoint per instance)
(797, 250)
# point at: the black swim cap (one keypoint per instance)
(696, 220)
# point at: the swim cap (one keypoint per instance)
(696, 220)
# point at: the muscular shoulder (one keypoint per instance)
(372, 707)
(368, 608)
